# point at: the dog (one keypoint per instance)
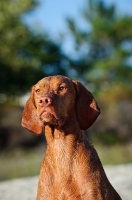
(71, 170)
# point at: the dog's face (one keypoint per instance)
(54, 100)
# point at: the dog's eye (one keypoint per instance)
(38, 90)
(61, 88)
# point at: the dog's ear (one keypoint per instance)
(86, 106)
(30, 119)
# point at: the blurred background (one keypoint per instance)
(87, 40)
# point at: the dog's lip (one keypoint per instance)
(60, 120)
(44, 112)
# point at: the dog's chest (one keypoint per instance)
(66, 166)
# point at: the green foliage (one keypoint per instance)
(104, 59)
(104, 47)
(104, 50)
(25, 56)
(13, 34)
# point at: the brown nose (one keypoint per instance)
(45, 101)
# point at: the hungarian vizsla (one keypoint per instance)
(71, 169)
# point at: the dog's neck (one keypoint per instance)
(62, 147)
(69, 135)
(63, 133)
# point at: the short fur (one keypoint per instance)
(71, 169)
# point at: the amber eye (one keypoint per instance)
(38, 90)
(61, 88)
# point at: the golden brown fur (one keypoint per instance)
(71, 169)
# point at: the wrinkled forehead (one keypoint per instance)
(54, 82)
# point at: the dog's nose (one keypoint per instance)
(45, 101)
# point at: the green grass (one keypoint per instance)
(22, 163)
(115, 154)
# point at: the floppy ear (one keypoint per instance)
(86, 106)
(30, 120)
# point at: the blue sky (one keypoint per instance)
(51, 14)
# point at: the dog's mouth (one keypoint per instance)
(49, 117)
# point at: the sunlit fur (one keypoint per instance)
(71, 169)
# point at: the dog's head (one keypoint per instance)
(53, 101)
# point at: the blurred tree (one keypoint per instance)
(104, 48)
(25, 56)
(104, 60)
